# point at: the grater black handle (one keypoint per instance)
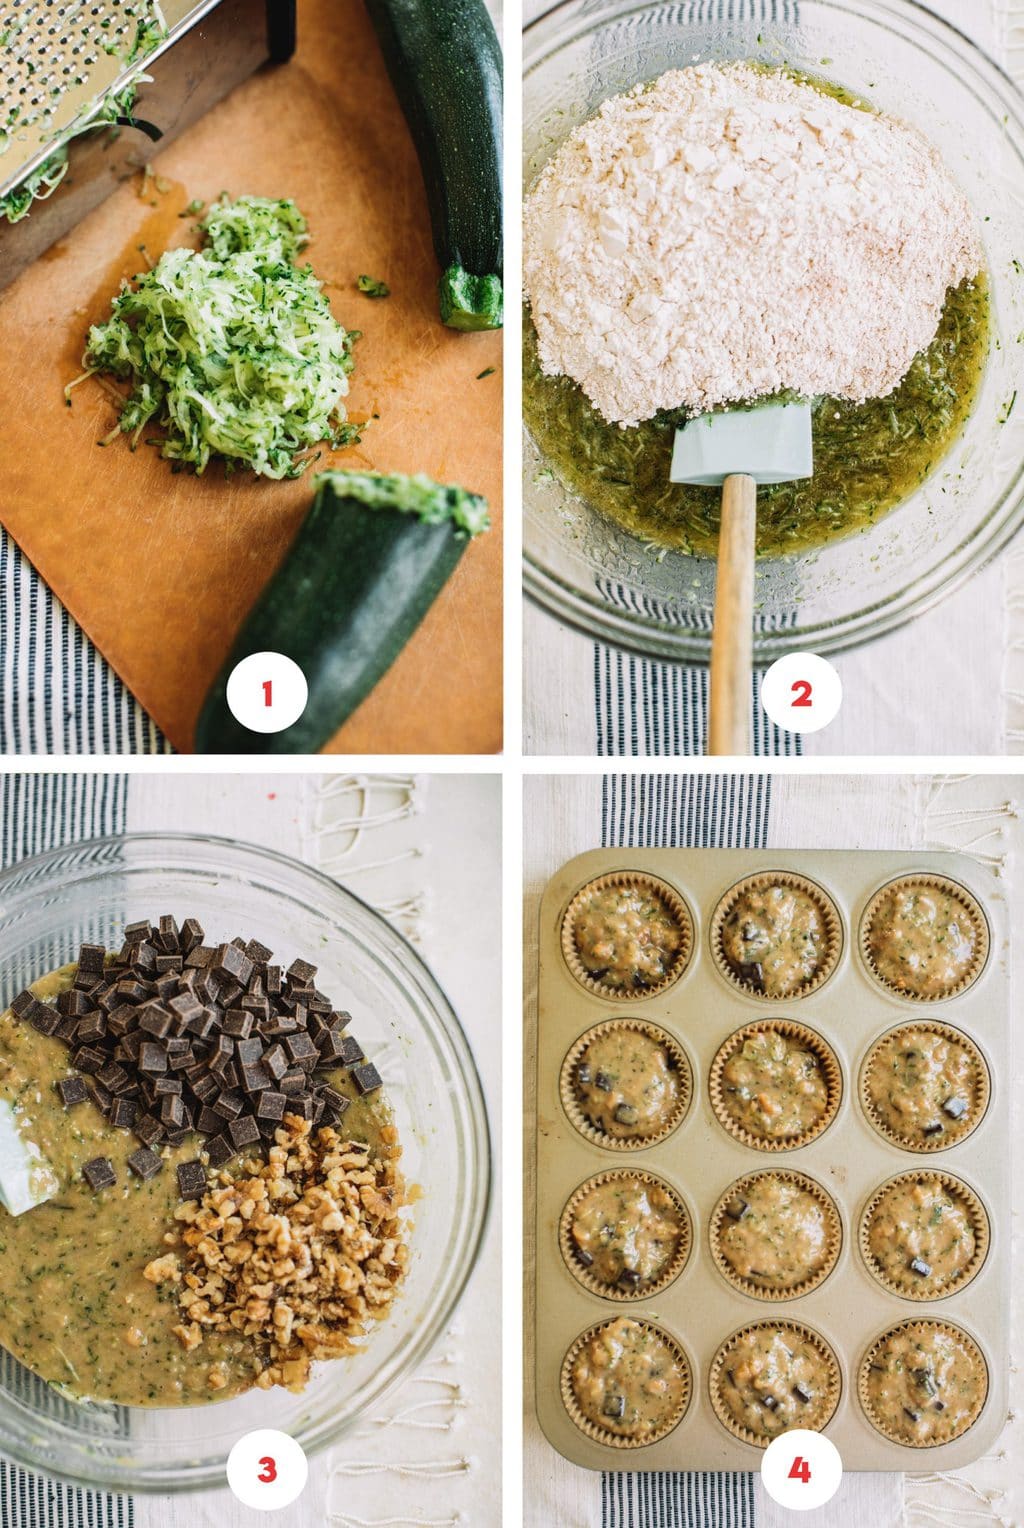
(281, 25)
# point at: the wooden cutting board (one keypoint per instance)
(159, 569)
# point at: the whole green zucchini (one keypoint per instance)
(368, 562)
(444, 61)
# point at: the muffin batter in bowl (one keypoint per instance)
(626, 937)
(771, 1084)
(776, 1232)
(627, 1379)
(625, 1231)
(920, 1236)
(922, 940)
(100, 1305)
(627, 1081)
(925, 1086)
(771, 1377)
(774, 939)
(924, 1383)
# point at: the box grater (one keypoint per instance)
(143, 70)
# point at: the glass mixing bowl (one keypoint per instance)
(48, 906)
(903, 59)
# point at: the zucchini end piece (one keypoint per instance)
(471, 302)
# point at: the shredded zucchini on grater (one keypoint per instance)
(232, 349)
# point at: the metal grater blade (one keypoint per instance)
(61, 59)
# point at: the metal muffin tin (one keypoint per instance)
(699, 1159)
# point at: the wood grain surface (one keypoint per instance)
(159, 569)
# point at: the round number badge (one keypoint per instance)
(801, 1470)
(267, 1470)
(802, 692)
(267, 692)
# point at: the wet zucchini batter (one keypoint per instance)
(627, 1379)
(776, 1234)
(922, 940)
(77, 1310)
(772, 1378)
(925, 1384)
(921, 1236)
(922, 1086)
(625, 1232)
(775, 939)
(627, 1083)
(626, 937)
(773, 1086)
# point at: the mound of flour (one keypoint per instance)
(727, 233)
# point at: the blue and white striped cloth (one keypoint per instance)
(60, 696)
(41, 812)
(668, 812)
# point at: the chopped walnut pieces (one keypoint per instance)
(300, 1256)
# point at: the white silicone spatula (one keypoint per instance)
(736, 450)
(26, 1178)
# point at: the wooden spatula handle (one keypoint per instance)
(732, 638)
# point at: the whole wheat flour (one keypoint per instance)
(728, 233)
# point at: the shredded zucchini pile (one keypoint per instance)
(231, 349)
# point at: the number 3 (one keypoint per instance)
(800, 1469)
(802, 691)
(269, 1471)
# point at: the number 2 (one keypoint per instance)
(268, 690)
(269, 1471)
(800, 1469)
(801, 690)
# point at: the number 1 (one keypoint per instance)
(800, 1469)
(268, 690)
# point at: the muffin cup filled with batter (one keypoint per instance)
(775, 1235)
(773, 1376)
(627, 935)
(625, 1235)
(626, 1084)
(925, 1086)
(924, 938)
(924, 1235)
(775, 1085)
(923, 1383)
(776, 936)
(626, 1383)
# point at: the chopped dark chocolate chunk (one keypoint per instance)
(164, 1085)
(367, 1078)
(89, 1059)
(737, 1208)
(152, 1057)
(149, 1129)
(301, 1049)
(220, 1149)
(801, 1393)
(229, 1105)
(629, 1278)
(270, 1104)
(172, 1110)
(238, 1023)
(93, 1026)
(335, 1103)
(191, 936)
(91, 958)
(123, 1113)
(145, 1163)
(191, 1179)
(351, 1052)
(919, 1266)
(72, 1090)
(934, 1128)
(99, 1173)
(627, 1114)
(231, 963)
(249, 1051)
(254, 1078)
(956, 1108)
(244, 1131)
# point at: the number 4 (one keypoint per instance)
(800, 1469)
